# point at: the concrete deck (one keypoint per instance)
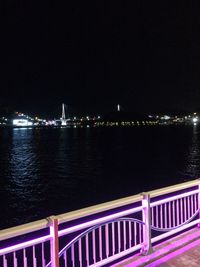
(181, 251)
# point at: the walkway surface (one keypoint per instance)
(181, 251)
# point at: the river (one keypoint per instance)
(48, 171)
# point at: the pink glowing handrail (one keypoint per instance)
(110, 205)
(23, 245)
(23, 229)
(98, 221)
(169, 199)
(174, 188)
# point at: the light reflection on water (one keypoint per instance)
(51, 171)
(24, 187)
(193, 162)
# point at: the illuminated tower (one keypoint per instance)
(63, 119)
(118, 107)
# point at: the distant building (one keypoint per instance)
(22, 121)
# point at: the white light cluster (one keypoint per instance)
(22, 122)
(195, 120)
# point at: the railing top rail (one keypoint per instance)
(98, 221)
(176, 197)
(173, 188)
(23, 229)
(66, 217)
(25, 244)
(73, 215)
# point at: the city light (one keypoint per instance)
(195, 120)
(22, 122)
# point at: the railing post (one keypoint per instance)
(198, 204)
(146, 218)
(54, 241)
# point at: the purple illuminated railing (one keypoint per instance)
(131, 229)
(104, 233)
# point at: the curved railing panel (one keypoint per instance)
(175, 213)
(103, 243)
(176, 227)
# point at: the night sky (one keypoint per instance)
(144, 55)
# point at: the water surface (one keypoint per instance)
(55, 170)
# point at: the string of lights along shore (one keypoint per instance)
(117, 117)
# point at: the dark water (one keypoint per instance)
(51, 171)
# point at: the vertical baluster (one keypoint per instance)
(161, 216)
(192, 203)
(152, 216)
(198, 203)
(140, 233)
(135, 233)
(124, 230)
(72, 256)
(188, 206)
(80, 252)
(100, 244)
(15, 259)
(195, 201)
(113, 238)
(5, 262)
(25, 258)
(165, 215)
(173, 214)
(87, 250)
(94, 246)
(107, 240)
(65, 258)
(157, 214)
(130, 234)
(195, 207)
(119, 236)
(185, 210)
(43, 257)
(170, 214)
(34, 258)
(181, 211)
(177, 212)
(198, 199)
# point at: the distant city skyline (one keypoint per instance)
(56, 111)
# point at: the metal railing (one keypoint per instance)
(104, 233)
